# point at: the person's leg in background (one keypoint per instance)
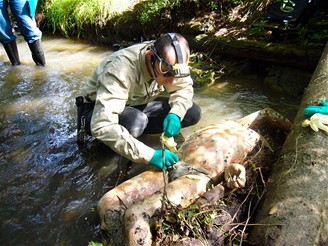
(26, 23)
(7, 37)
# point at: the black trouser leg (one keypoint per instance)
(149, 118)
(158, 109)
(141, 119)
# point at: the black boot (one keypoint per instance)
(12, 52)
(79, 102)
(37, 53)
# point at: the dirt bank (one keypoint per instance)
(228, 29)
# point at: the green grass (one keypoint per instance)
(69, 16)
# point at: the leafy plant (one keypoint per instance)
(95, 244)
(69, 16)
(258, 27)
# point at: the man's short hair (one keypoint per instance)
(164, 44)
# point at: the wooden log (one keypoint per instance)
(295, 209)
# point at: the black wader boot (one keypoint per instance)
(37, 53)
(84, 115)
(79, 102)
(12, 52)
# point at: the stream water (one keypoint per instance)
(49, 185)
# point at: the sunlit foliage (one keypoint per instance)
(69, 16)
(133, 19)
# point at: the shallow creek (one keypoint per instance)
(49, 185)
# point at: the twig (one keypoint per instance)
(262, 194)
(263, 182)
(122, 202)
(165, 198)
(295, 160)
(235, 215)
(296, 155)
(119, 171)
(248, 218)
(256, 224)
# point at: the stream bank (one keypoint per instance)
(235, 36)
(223, 30)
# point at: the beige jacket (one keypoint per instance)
(123, 79)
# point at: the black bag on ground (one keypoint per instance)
(84, 115)
(292, 11)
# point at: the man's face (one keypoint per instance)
(164, 75)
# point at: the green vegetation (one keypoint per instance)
(70, 16)
(161, 8)
(107, 21)
(153, 8)
(95, 244)
(64, 15)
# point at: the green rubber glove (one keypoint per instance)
(171, 125)
(311, 110)
(157, 160)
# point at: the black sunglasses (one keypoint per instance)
(169, 72)
(177, 71)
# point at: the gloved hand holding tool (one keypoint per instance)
(171, 127)
(157, 159)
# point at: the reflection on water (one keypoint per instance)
(233, 98)
(50, 186)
